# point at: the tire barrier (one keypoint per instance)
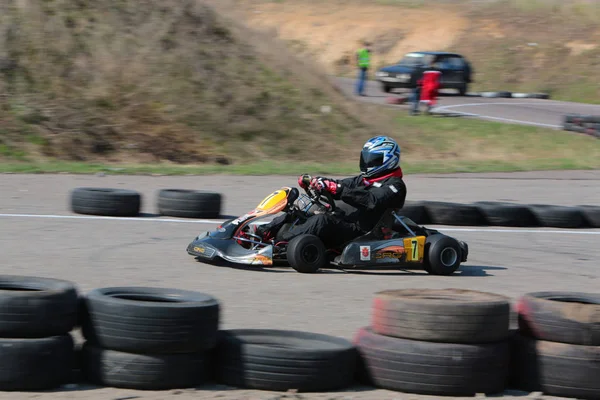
(492, 213)
(422, 341)
(500, 94)
(557, 348)
(280, 360)
(437, 342)
(127, 203)
(506, 95)
(189, 203)
(106, 201)
(36, 316)
(582, 123)
(148, 338)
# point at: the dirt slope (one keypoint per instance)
(520, 45)
(161, 80)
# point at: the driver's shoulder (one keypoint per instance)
(395, 183)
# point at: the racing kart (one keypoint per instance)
(395, 240)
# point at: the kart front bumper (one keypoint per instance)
(209, 248)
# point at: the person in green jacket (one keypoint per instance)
(363, 61)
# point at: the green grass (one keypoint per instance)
(470, 144)
(266, 168)
(431, 144)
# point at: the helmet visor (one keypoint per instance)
(370, 160)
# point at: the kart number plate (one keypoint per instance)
(415, 248)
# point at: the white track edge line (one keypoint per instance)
(452, 106)
(218, 221)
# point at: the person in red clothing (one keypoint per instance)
(428, 89)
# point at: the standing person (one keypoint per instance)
(363, 61)
(431, 86)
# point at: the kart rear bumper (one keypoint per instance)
(229, 250)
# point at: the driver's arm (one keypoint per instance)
(391, 195)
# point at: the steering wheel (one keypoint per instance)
(321, 197)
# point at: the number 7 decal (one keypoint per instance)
(415, 249)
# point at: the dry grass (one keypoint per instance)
(158, 80)
(518, 45)
(162, 83)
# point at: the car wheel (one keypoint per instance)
(463, 89)
(306, 254)
(443, 255)
(386, 88)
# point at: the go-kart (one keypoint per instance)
(395, 240)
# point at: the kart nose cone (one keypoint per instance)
(200, 249)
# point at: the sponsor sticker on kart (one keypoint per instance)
(365, 253)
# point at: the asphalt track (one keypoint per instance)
(39, 236)
(534, 112)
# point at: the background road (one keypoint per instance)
(150, 251)
(544, 113)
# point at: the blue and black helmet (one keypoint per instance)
(380, 155)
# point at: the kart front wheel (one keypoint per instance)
(443, 255)
(306, 254)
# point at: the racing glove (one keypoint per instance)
(320, 183)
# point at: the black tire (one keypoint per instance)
(591, 215)
(557, 216)
(567, 317)
(106, 201)
(142, 371)
(506, 214)
(36, 364)
(189, 203)
(280, 360)
(386, 88)
(500, 94)
(542, 96)
(444, 213)
(444, 315)
(463, 89)
(415, 210)
(556, 369)
(34, 307)
(150, 320)
(421, 367)
(306, 254)
(442, 254)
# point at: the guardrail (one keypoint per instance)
(426, 341)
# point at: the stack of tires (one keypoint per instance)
(36, 317)
(148, 338)
(436, 342)
(113, 202)
(282, 360)
(557, 350)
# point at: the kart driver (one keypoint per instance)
(365, 197)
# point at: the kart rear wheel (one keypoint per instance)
(306, 254)
(443, 255)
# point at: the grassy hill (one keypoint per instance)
(166, 80)
(88, 85)
(519, 45)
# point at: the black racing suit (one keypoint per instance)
(362, 207)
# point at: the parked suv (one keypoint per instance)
(456, 71)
